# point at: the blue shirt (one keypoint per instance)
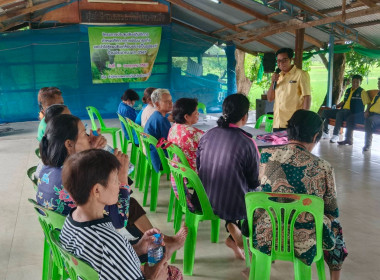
(127, 112)
(138, 118)
(157, 126)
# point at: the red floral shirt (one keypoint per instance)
(187, 138)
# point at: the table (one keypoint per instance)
(206, 122)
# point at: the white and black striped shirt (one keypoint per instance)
(97, 243)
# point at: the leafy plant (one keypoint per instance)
(359, 64)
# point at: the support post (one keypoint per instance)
(330, 71)
(231, 63)
(300, 34)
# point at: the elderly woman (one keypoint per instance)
(91, 178)
(158, 124)
(65, 136)
(294, 169)
(149, 108)
(228, 166)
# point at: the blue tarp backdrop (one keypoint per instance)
(60, 57)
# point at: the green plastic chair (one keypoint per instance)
(103, 129)
(140, 157)
(52, 265)
(37, 152)
(202, 107)
(148, 140)
(174, 150)
(268, 119)
(282, 244)
(30, 173)
(125, 142)
(77, 269)
(192, 219)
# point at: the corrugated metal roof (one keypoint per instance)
(232, 16)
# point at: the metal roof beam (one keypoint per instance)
(368, 3)
(218, 20)
(268, 19)
(294, 24)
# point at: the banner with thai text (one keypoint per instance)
(123, 54)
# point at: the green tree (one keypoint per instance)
(359, 64)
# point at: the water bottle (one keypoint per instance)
(108, 148)
(155, 250)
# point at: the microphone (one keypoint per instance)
(278, 70)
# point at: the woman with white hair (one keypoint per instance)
(158, 124)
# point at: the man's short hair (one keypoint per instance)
(289, 51)
(131, 95)
(358, 77)
(48, 95)
(82, 171)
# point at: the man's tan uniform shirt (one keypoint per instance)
(289, 95)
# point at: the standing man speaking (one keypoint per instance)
(290, 89)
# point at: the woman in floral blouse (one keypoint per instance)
(185, 136)
(294, 169)
(66, 135)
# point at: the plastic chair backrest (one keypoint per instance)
(37, 152)
(49, 221)
(286, 213)
(137, 129)
(173, 149)
(202, 107)
(179, 172)
(76, 268)
(91, 112)
(127, 128)
(30, 173)
(148, 140)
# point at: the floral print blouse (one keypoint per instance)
(52, 195)
(292, 169)
(187, 138)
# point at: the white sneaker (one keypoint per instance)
(325, 135)
(334, 139)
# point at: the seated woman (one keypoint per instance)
(228, 166)
(294, 169)
(184, 135)
(140, 120)
(66, 135)
(125, 108)
(91, 178)
(158, 124)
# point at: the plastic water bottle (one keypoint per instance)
(155, 250)
(108, 148)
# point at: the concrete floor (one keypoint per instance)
(357, 177)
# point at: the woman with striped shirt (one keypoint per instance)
(91, 178)
(228, 166)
